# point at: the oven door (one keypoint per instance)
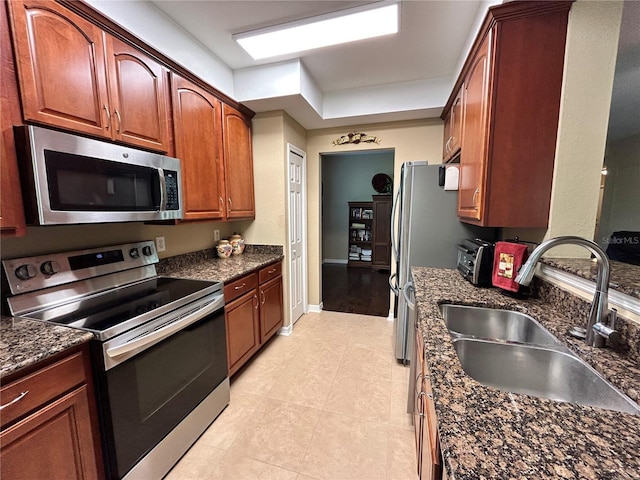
(155, 378)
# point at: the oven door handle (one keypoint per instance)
(166, 331)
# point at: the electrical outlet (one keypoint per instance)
(216, 235)
(160, 245)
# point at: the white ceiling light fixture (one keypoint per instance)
(373, 20)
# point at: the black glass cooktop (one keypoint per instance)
(100, 312)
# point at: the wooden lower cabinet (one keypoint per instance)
(254, 312)
(243, 337)
(49, 430)
(271, 308)
(425, 422)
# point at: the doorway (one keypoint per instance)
(296, 245)
(347, 177)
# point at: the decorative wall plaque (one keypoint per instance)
(356, 138)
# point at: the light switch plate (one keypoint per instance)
(216, 235)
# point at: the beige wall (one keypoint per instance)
(411, 140)
(182, 238)
(592, 43)
(271, 132)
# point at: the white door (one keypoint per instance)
(297, 232)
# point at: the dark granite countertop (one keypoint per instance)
(624, 278)
(489, 434)
(205, 265)
(24, 342)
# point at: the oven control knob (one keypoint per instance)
(134, 253)
(147, 250)
(49, 267)
(25, 272)
(470, 263)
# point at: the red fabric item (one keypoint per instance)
(507, 260)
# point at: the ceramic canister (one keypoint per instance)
(224, 249)
(237, 243)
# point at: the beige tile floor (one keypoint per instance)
(327, 403)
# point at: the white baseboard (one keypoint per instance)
(286, 331)
(335, 260)
(315, 308)
(391, 318)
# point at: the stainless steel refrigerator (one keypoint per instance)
(427, 231)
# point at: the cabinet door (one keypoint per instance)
(473, 151)
(430, 451)
(271, 308)
(453, 128)
(11, 210)
(138, 96)
(243, 336)
(238, 164)
(198, 137)
(456, 124)
(56, 438)
(60, 59)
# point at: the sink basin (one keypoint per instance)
(496, 324)
(539, 371)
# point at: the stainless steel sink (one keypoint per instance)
(497, 324)
(539, 371)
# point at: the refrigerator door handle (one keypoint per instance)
(394, 284)
(395, 231)
(410, 303)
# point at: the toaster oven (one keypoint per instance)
(475, 261)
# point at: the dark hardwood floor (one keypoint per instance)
(355, 290)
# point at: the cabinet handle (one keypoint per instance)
(119, 120)
(475, 194)
(273, 270)
(240, 287)
(418, 403)
(262, 296)
(229, 199)
(255, 298)
(108, 116)
(15, 400)
(221, 201)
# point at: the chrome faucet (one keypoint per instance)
(600, 325)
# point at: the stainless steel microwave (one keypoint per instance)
(68, 179)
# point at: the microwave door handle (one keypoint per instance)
(163, 189)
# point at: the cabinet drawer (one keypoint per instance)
(270, 271)
(239, 287)
(42, 386)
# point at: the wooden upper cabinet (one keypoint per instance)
(74, 76)
(198, 137)
(453, 128)
(472, 158)
(512, 82)
(238, 164)
(60, 61)
(12, 220)
(138, 96)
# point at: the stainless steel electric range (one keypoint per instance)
(159, 350)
